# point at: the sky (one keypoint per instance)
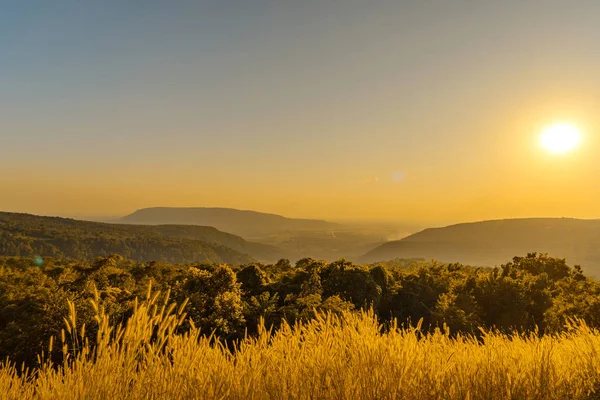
(423, 111)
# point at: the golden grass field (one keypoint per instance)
(330, 357)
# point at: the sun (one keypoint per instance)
(560, 138)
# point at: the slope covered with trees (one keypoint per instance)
(30, 235)
(491, 243)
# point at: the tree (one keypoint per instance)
(253, 279)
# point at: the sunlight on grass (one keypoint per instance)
(347, 356)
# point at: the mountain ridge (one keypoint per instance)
(28, 234)
(493, 242)
(246, 223)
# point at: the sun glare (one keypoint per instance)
(560, 138)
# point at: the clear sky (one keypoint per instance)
(420, 110)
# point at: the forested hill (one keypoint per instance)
(31, 235)
(490, 243)
(240, 222)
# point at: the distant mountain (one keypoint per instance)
(239, 222)
(490, 243)
(31, 235)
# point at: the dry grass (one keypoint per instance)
(331, 357)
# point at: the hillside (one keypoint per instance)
(239, 222)
(260, 251)
(491, 243)
(30, 235)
